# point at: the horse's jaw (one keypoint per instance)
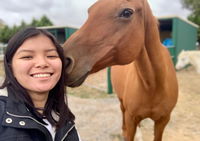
(78, 81)
(82, 65)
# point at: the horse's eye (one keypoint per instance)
(126, 13)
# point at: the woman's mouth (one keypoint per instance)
(41, 75)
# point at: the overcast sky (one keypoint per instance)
(71, 12)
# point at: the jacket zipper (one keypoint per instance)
(67, 133)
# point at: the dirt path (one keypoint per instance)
(100, 119)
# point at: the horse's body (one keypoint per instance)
(188, 57)
(125, 33)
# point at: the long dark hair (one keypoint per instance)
(57, 99)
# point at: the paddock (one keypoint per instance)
(98, 115)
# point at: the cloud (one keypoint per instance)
(14, 11)
(168, 8)
(70, 12)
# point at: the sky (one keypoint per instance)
(71, 12)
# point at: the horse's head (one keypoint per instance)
(113, 34)
(183, 60)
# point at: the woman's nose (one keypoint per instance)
(41, 62)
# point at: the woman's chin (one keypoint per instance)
(41, 89)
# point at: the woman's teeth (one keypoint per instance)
(41, 75)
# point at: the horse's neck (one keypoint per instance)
(152, 61)
(152, 40)
(150, 65)
(194, 58)
(157, 53)
(145, 70)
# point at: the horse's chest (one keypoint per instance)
(145, 105)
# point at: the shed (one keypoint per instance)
(177, 34)
(60, 32)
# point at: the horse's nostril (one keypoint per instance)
(67, 62)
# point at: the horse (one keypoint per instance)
(189, 57)
(124, 34)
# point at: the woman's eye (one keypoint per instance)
(26, 57)
(52, 56)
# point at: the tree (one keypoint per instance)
(1, 23)
(194, 7)
(7, 32)
(34, 22)
(44, 21)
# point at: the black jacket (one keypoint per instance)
(18, 124)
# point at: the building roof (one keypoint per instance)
(57, 27)
(175, 16)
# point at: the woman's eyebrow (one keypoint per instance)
(31, 51)
(48, 50)
(24, 50)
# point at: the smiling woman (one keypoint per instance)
(40, 65)
(35, 83)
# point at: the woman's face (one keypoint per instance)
(36, 65)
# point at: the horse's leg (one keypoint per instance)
(131, 126)
(123, 119)
(159, 127)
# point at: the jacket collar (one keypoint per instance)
(15, 106)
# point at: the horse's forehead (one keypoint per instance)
(109, 4)
(181, 55)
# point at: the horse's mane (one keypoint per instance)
(190, 53)
(151, 25)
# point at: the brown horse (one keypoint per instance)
(125, 33)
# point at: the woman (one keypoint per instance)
(35, 106)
